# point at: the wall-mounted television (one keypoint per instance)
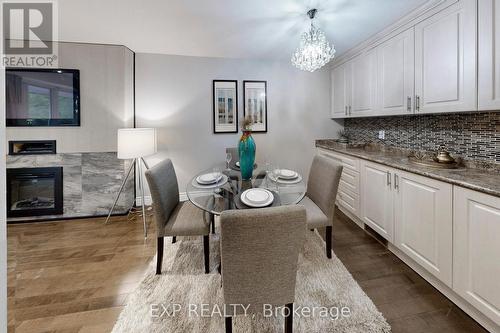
(42, 97)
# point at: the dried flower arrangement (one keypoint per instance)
(246, 124)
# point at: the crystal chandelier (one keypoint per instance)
(314, 51)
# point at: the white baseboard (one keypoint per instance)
(148, 201)
(444, 289)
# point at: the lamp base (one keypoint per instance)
(136, 162)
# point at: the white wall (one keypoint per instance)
(174, 94)
(106, 99)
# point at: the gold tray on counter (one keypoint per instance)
(433, 164)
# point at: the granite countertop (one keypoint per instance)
(478, 179)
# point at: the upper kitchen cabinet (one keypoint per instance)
(341, 91)
(445, 60)
(489, 55)
(396, 72)
(429, 66)
(364, 84)
(354, 86)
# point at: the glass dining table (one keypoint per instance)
(225, 195)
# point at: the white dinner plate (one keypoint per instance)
(223, 180)
(208, 178)
(288, 174)
(286, 181)
(245, 200)
(257, 195)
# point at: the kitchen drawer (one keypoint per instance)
(347, 161)
(350, 180)
(348, 200)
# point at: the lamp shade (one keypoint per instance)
(136, 142)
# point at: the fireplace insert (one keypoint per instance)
(34, 191)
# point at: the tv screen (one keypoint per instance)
(42, 97)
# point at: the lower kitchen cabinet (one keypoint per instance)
(412, 212)
(377, 198)
(348, 200)
(476, 250)
(348, 192)
(423, 222)
(451, 232)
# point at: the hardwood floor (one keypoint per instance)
(75, 276)
(408, 302)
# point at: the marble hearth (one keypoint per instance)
(90, 182)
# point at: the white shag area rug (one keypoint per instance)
(321, 282)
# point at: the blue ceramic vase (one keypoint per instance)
(246, 150)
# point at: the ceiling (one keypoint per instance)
(224, 28)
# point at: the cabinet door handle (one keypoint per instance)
(408, 104)
(346, 110)
(417, 103)
(388, 178)
(350, 110)
(396, 182)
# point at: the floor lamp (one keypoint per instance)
(135, 143)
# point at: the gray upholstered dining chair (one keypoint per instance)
(259, 255)
(174, 218)
(322, 187)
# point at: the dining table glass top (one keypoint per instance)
(225, 195)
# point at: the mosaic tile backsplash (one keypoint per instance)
(468, 135)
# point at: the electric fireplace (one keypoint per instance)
(34, 191)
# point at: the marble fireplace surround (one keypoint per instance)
(90, 183)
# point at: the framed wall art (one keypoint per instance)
(255, 99)
(225, 106)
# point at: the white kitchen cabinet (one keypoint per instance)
(348, 161)
(423, 225)
(348, 200)
(364, 85)
(348, 192)
(377, 198)
(354, 86)
(412, 212)
(338, 92)
(396, 72)
(448, 231)
(489, 55)
(431, 67)
(350, 180)
(341, 90)
(445, 60)
(476, 250)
